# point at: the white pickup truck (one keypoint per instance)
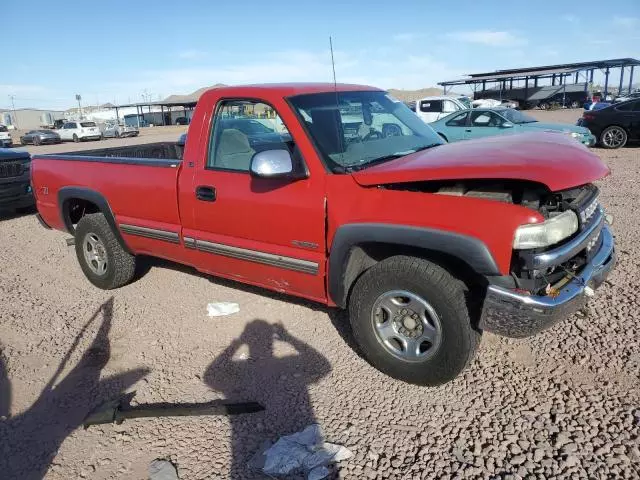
(430, 109)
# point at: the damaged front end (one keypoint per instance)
(552, 282)
(555, 264)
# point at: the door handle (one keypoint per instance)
(468, 131)
(206, 194)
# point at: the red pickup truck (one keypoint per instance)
(341, 195)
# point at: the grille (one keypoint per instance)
(10, 170)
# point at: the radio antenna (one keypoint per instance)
(338, 118)
(333, 65)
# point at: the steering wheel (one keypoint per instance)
(371, 135)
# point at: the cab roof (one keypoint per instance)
(288, 89)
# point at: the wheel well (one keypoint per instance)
(363, 256)
(76, 208)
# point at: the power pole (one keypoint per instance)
(78, 98)
(13, 107)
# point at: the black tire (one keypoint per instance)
(117, 134)
(120, 266)
(446, 294)
(613, 137)
(75, 138)
(543, 106)
(36, 141)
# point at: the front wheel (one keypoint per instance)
(410, 318)
(613, 137)
(76, 138)
(102, 259)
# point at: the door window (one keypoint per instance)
(485, 119)
(431, 106)
(241, 128)
(459, 120)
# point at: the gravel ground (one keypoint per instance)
(565, 403)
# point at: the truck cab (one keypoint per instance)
(433, 108)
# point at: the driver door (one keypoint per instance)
(267, 232)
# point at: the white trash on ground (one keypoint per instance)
(220, 309)
(304, 451)
(162, 470)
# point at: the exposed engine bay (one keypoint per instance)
(582, 200)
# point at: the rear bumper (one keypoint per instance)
(516, 315)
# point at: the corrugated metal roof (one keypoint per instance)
(532, 72)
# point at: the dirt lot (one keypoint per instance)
(564, 403)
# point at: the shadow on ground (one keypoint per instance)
(30, 440)
(10, 214)
(268, 365)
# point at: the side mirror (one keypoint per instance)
(272, 164)
(507, 125)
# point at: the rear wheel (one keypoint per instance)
(543, 106)
(613, 137)
(575, 104)
(75, 138)
(410, 318)
(36, 140)
(103, 261)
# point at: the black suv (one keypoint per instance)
(15, 188)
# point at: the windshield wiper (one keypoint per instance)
(386, 158)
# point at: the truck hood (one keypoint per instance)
(557, 161)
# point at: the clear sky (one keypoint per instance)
(120, 50)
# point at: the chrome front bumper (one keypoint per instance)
(511, 314)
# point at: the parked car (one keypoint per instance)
(487, 122)
(627, 96)
(40, 137)
(182, 121)
(401, 230)
(79, 130)
(430, 109)
(15, 186)
(118, 130)
(58, 124)
(566, 100)
(5, 137)
(614, 125)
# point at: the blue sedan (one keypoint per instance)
(486, 122)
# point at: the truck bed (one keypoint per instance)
(170, 151)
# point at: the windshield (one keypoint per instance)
(88, 124)
(354, 130)
(516, 116)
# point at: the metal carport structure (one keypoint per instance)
(559, 74)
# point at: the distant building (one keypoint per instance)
(29, 118)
